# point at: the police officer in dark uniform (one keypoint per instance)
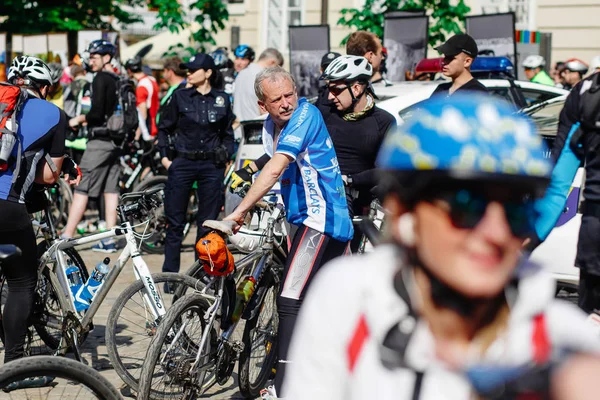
(201, 119)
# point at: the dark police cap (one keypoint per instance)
(199, 61)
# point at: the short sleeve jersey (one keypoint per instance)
(311, 186)
(42, 127)
(146, 92)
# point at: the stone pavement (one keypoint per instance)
(94, 349)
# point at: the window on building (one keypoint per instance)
(280, 15)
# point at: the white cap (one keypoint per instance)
(534, 61)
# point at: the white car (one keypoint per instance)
(399, 98)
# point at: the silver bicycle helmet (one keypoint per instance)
(26, 70)
(56, 71)
(534, 61)
(348, 69)
(576, 65)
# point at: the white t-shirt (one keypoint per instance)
(245, 102)
(336, 350)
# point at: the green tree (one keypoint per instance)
(41, 16)
(211, 19)
(445, 18)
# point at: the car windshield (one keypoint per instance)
(546, 117)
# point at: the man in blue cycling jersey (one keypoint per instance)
(304, 161)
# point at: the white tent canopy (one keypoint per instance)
(160, 45)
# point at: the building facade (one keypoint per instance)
(574, 24)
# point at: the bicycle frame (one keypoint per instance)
(264, 256)
(59, 277)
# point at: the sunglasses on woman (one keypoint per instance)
(467, 208)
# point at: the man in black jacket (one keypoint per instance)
(357, 128)
(459, 53)
(100, 161)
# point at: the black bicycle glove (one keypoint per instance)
(71, 168)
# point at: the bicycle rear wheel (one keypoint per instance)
(166, 371)
(131, 325)
(45, 333)
(72, 380)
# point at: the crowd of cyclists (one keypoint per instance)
(449, 307)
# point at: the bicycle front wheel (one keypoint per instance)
(167, 373)
(72, 380)
(260, 341)
(131, 325)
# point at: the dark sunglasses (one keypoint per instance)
(337, 90)
(467, 208)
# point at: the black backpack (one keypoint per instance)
(124, 121)
(589, 106)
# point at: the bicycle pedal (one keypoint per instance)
(237, 346)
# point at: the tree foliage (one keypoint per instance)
(41, 16)
(445, 18)
(210, 16)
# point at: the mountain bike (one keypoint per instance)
(40, 338)
(193, 347)
(65, 327)
(62, 378)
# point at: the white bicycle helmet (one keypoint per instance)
(348, 69)
(576, 65)
(30, 70)
(595, 64)
(56, 71)
(534, 61)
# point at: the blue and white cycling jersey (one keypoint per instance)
(312, 187)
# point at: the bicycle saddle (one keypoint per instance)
(9, 251)
(225, 227)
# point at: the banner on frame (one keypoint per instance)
(405, 39)
(494, 35)
(308, 44)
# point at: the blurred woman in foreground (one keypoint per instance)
(448, 309)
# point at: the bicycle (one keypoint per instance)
(45, 302)
(189, 361)
(71, 326)
(370, 226)
(64, 378)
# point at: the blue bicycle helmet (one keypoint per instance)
(244, 51)
(102, 47)
(466, 137)
(220, 56)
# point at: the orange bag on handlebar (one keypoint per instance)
(213, 251)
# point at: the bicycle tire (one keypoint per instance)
(125, 365)
(250, 388)
(58, 367)
(41, 301)
(160, 225)
(171, 318)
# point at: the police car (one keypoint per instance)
(495, 73)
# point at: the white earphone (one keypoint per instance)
(406, 229)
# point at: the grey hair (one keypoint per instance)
(272, 54)
(272, 74)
